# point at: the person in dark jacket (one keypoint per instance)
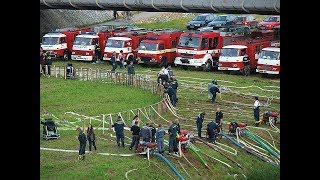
(114, 61)
(83, 141)
(199, 122)
(146, 133)
(131, 72)
(173, 131)
(91, 138)
(174, 85)
(44, 63)
(171, 94)
(153, 132)
(214, 90)
(219, 117)
(211, 129)
(164, 62)
(135, 129)
(170, 71)
(119, 127)
(159, 138)
(97, 53)
(48, 63)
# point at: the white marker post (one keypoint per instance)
(103, 117)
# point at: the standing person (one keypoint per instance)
(164, 75)
(121, 59)
(153, 132)
(211, 129)
(256, 110)
(91, 138)
(113, 61)
(83, 141)
(131, 72)
(174, 85)
(219, 116)
(171, 94)
(200, 119)
(146, 133)
(159, 138)
(135, 118)
(49, 64)
(135, 129)
(119, 127)
(115, 14)
(173, 130)
(43, 63)
(97, 53)
(164, 62)
(41, 58)
(214, 90)
(170, 71)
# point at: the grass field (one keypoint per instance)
(94, 98)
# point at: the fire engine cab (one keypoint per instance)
(199, 49)
(242, 55)
(84, 46)
(59, 43)
(269, 61)
(158, 45)
(128, 42)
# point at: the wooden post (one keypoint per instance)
(103, 118)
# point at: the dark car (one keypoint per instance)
(247, 20)
(222, 20)
(200, 21)
(232, 30)
(269, 23)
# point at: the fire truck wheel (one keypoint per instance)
(207, 65)
(65, 56)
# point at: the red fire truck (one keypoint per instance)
(85, 44)
(59, 43)
(158, 45)
(128, 42)
(199, 49)
(269, 61)
(242, 55)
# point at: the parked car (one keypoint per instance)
(247, 20)
(232, 30)
(222, 20)
(200, 21)
(269, 23)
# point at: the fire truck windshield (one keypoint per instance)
(270, 55)
(229, 52)
(115, 43)
(148, 46)
(82, 41)
(50, 40)
(187, 41)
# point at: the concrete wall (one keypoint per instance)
(51, 19)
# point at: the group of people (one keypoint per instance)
(148, 133)
(45, 62)
(170, 84)
(213, 128)
(83, 138)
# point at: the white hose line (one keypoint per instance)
(136, 169)
(86, 117)
(266, 129)
(216, 159)
(273, 126)
(159, 114)
(190, 163)
(184, 169)
(77, 151)
(163, 170)
(233, 153)
(273, 141)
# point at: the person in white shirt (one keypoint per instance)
(256, 110)
(164, 74)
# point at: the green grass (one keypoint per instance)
(174, 24)
(94, 98)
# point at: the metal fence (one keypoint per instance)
(89, 74)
